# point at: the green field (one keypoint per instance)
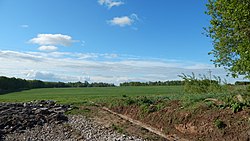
(81, 95)
(75, 95)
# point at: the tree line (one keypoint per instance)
(156, 83)
(242, 83)
(15, 84)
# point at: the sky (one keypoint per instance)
(111, 41)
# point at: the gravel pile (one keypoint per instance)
(78, 128)
(45, 121)
(93, 131)
(17, 117)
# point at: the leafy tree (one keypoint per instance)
(230, 31)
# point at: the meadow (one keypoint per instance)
(78, 96)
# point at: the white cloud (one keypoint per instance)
(124, 20)
(48, 76)
(65, 66)
(52, 39)
(110, 3)
(121, 21)
(47, 48)
(24, 26)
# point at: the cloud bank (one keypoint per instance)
(110, 68)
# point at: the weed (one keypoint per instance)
(160, 106)
(236, 107)
(77, 111)
(124, 95)
(129, 101)
(210, 104)
(233, 103)
(117, 128)
(248, 89)
(201, 84)
(219, 124)
(144, 101)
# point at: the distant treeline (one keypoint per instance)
(15, 84)
(242, 83)
(156, 83)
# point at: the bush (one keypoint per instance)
(192, 84)
(147, 104)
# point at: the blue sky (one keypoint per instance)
(104, 40)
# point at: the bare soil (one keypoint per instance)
(195, 124)
(108, 120)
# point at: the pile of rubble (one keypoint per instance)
(17, 117)
(41, 120)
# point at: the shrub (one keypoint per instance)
(202, 84)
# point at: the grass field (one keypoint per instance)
(75, 95)
(81, 95)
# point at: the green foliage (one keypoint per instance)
(145, 101)
(156, 83)
(129, 101)
(77, 111)
(203, 84)
(159, 97)
(248, 89)
(230, 31)
(242, 83)
(219, 124)
(147, 104)
(236, 105)
(117, 128)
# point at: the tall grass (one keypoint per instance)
(202, 84)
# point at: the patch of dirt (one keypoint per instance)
(198, 124)
(106, 119)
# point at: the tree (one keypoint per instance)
(230, 31)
